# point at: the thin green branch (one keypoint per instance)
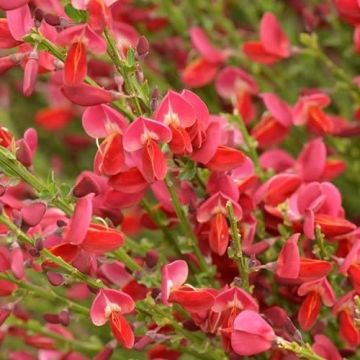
(38, 38)
(186, 225)
(36, 327)
(123, 69)
(250, 143)
(235, 252)
(46, 293)
(303, 351)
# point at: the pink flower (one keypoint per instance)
(309, 110)
(274, 126)
(205, 48)
(142, 138)
(226, 159)
(85, 34)
(80, 221)
(203, 69)
(7, 41)
(238, 86)
(229, 302)
(177, 113)
(273, 45)
(30, 74)
(110, 305)
(251, 334)
(26, 147)
(75, 66)
(191, 299)
(213, 210)
(102, 121)
(20, 21)
(315, 291)
(33, 212)
(325, 348)
(173, 276)
(87, 95)
(288, 263)
(312, 160)
(11, 5)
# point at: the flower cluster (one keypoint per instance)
(211, 221)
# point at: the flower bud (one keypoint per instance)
(55, 279)
(52, 318)
(52, 20)
(39, 244)
(142, 47)
(30, 74)
(38, 15)
(151, 258)
(64, 317)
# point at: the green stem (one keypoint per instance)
(168, 237)
(61, 55)
(13, 168)
(122, 69)
(314, 49)
(48, 294)
(122, 256)
(320, 240)
(237, 254)
(48, 255)
(197, 345)
(250, 144)
(185, 224)
(304, 352)
(34, 326)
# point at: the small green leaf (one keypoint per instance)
(131, 57)
(78, 16)
(188, 170)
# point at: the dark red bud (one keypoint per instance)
(34, 252)
(39, 244)
(38, 15)
(155, 293)
(60, 223)
(52, 20)
(153, 104)
(52, 318)
(151, 258)
(64, 317)
(55, 279)
(105, 354)
(142, 47)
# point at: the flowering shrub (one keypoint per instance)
(203, 195)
